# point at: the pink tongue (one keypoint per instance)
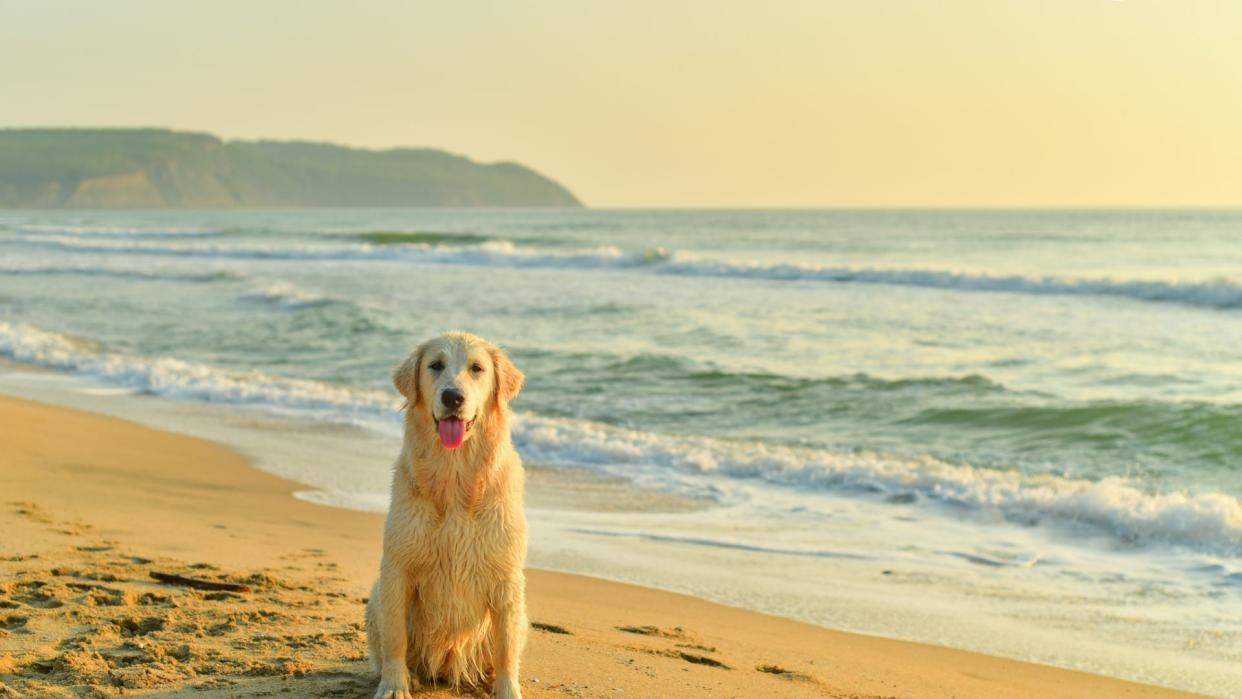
(452, 433)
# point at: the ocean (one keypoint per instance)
(1018, 432)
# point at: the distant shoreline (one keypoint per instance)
(164, 169)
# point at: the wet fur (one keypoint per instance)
(449, 604)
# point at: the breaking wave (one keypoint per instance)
(95, 231)
(1211, 521)
(287, 296)
(467, 249)
(93, 270)
(500, 253)
(1219, 293)
(177, 378)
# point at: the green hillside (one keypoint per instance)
(157, 168)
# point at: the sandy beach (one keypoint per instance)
(94, 505)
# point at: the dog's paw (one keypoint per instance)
(507, 687)
(396, 688)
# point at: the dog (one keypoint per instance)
(450, 601)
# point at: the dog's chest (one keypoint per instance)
(463, 561)
(460, 545)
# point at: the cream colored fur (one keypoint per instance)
(450, 600)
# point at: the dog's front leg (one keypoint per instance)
(509, 635)
(394, 590)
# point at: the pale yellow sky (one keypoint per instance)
(684, 102)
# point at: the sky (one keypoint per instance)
(684, 103)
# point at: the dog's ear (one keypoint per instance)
(405, 377)
(508, 378)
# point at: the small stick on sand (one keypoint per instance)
(198, 584)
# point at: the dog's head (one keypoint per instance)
(457, 381)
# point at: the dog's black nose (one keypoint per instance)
(452, 399)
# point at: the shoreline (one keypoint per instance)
(84, 491)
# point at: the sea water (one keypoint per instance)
(1016, 432)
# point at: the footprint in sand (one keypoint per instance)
(783, 673)
(697, 646)
(31, 511)
(37, 594)
(676, 633)
(697, 659)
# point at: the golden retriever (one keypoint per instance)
(450, 602)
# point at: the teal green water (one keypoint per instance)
(1074, 343)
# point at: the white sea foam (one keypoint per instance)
(286, 295)
(1209, 520)
(1206, 521)
(115, 231)
(490, 253)
(176, 378)
(1219, 293)
(96, 269)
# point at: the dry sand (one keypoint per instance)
(91, 505)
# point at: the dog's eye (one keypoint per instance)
(436, 366)
(476, 368)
